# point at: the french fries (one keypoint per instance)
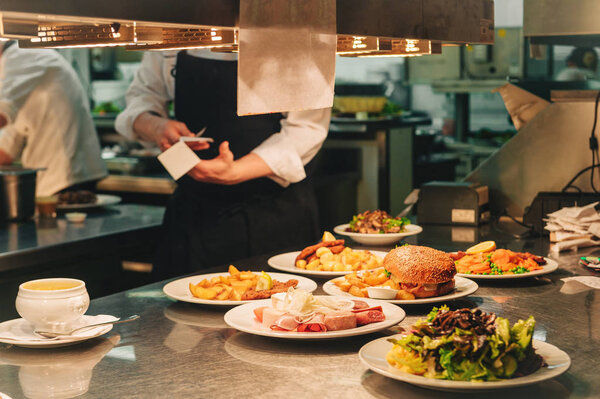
(356, 284)
(347, 260)
(223, 288)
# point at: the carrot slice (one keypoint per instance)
(481, 268)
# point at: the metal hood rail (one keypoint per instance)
(453, 21)
(572, 22)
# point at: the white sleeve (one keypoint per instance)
(12, 142)
(149, 92)
(301, 137)
(20, 76)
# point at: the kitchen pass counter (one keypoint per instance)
(27, 244)
(182, 350)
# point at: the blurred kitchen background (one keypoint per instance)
(441, 119)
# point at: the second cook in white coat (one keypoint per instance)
(46, 119)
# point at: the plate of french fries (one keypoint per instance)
(327, 258)
(355, 285)
(233, 287)
(328, 264)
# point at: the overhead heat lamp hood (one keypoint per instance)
(572, 22)
(449, 21)
(281, 43)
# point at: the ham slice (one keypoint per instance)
(258, 312)
(360, 305)
(366, 309)
(287, 322)
(314, 324)
(369, 316)
(270, 316)
(340, 321)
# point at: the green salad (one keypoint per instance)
(377, 222)
(466, 345)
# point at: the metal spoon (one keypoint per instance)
(49, 334)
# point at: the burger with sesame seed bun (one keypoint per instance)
(422, 271)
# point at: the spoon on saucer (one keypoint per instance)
(50, 334)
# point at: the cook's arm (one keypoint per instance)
(11, 145)
(301, 137)
(281, 157)
(146, 117)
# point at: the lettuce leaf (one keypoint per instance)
(503, 329)
(522, 332)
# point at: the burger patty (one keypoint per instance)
(428, 290)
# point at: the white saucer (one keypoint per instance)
(19, 332)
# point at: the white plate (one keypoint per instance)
(287, 263)
(464, 287)
(378, 239)
(22, 331)
(373, 355)
(101, 200)
(550, 266)
(242, 318)
(180, 291)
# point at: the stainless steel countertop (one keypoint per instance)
(28, 243)
(179, 350)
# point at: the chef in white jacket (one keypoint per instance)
(251, 193)
(45, 120)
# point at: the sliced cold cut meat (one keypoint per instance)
(369, 316)
(340, 321)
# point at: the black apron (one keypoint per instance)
(207, 225)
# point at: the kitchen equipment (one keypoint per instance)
(548, 202)
(452, 203)
(562, 22)
(354, 104)
(17, 192)
(46, 206)
(51, 335)
(76, 217)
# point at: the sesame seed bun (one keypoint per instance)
(413, 264)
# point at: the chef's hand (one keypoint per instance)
(226, 170)
(164, 132)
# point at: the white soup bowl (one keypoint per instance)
(52, 304)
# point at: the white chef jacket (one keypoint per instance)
(575, 74)
(49, 121)
(286, 152)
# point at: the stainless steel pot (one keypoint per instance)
(17, 193)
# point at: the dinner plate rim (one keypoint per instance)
(318, 273)
(109, 198)
(340, 229)
(473, 287)
(550, 267)
(542, 348)
(247, 308)
(199, 277)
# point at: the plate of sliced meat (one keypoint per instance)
(181, 289)
(298, 314)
